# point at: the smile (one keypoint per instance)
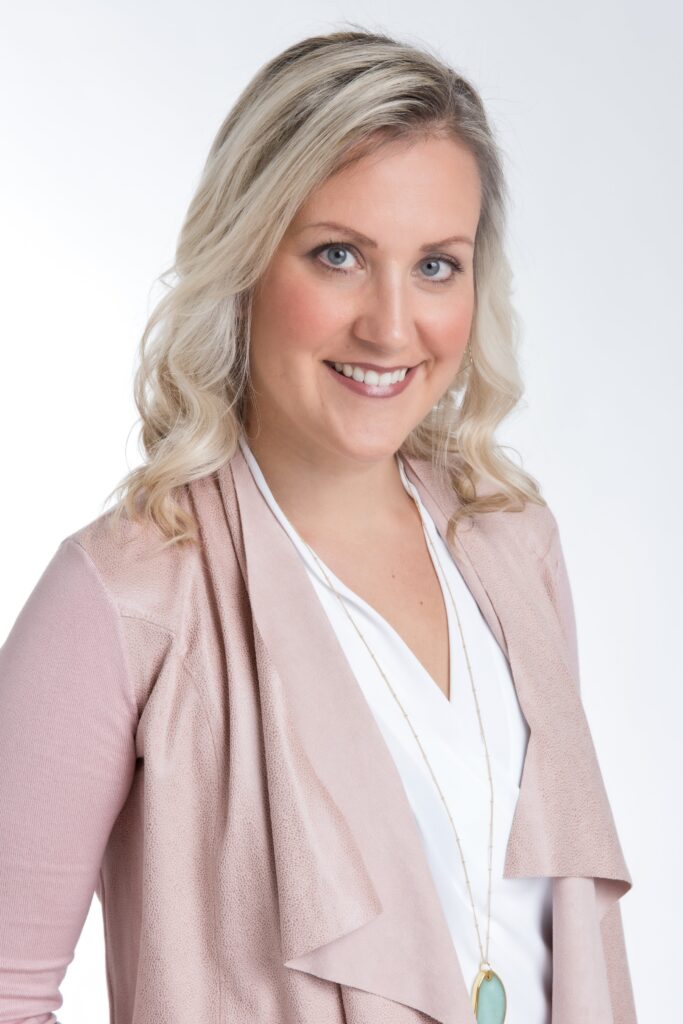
(369, 382)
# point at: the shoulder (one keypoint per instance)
(141, 592)
(532, 527)
(145, 577)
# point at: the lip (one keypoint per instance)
(373, 390)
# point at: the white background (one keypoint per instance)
(108, 111)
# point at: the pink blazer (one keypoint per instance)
(181, 733)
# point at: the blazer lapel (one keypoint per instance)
(563, 825)
(357, 901)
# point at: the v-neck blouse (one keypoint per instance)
(520, 937)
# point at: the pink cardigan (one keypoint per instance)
(181, 733)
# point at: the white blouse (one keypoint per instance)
(520, 942)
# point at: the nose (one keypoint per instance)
(385, 317)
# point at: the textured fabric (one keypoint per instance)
(521, 908)
(181, 732)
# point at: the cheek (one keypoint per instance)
(450, 329)
(299, 316)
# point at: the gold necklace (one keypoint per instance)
(489, 1000)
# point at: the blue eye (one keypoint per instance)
(335, 247)
(341, 249)
(451, 261)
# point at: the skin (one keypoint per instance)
(328, 453)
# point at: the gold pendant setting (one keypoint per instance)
(488, 996)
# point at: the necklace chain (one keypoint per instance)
(484, 956)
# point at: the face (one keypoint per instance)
(372, 281)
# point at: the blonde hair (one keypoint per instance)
(320, 104)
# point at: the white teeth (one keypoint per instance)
(371, 376)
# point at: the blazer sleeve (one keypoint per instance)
(68, 718)
(559, 587)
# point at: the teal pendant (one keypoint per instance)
(488, 997)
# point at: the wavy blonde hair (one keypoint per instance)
(317, 106)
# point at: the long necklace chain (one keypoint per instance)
(484, 965)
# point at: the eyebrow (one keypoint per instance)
(373, 244)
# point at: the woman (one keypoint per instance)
(303, 709)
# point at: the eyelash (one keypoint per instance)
(457, 266)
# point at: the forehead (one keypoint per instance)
(428, 181)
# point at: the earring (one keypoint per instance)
(469, 352)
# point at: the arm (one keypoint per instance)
(67, 756)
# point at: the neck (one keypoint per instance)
(330, 494)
